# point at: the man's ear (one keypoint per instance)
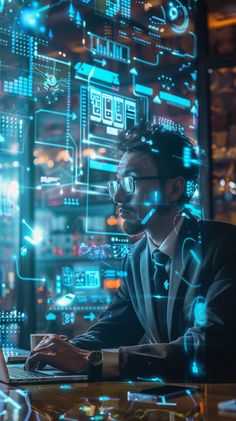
(175, 189)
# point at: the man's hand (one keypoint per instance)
(59, 353)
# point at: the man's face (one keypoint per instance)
(147, 195)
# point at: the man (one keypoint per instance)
(174, 315)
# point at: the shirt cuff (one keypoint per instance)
(110, 366)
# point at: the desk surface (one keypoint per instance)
(108, 401)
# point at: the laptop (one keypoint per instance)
(16, 355)
(15, 374)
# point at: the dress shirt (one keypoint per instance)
(111, 357)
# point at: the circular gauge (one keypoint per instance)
(178, 16)
(51, 80)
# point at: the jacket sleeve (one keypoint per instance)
(117, 326)
(207, 350)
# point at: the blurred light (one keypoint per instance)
(89, 153)
(200, 313)
(196, 194)
(11, 279)
(23, 251)
(102, 150)
(103, 398)
(13, 189)
(232, 187)
(36, 238)
(38, 234)
(63, 156)
(112, 283)
(112, 220)
(29, 18)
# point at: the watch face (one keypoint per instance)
(95, 357)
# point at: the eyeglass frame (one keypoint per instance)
(134, 178)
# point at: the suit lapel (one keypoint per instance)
(145, 262)
(186, 240)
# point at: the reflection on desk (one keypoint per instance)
(107, 401)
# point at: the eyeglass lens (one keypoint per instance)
(127, 185)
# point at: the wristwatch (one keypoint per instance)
(95, 362)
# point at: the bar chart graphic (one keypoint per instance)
(19, 86)
(22, 85)
(108, 48)
(111, 8)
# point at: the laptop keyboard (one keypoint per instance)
(19, 373)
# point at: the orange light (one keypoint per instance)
(112, 283)
(147, 7)
(201, 405)
(40, 301)
(112, 220)
(89, 152)
(102, 150)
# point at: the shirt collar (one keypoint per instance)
(168, 245)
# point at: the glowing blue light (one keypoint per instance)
(195, 369)
(151, 379)
(51, 316)
(173, 13)
(166, 284)
(29, 18)
(200, 313)
(148, 216)
(71, 11)
(195, 256)
(104, 398)
(36, 238)
(90, 317)
(187, 157)
(2, 4)
(23, 251)
(65, 300)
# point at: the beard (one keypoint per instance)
(131, 224)
(132, 228)
(135, 227)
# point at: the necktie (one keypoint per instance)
(161, 285)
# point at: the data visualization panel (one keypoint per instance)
(73, 75)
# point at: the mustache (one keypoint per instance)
(120, 208)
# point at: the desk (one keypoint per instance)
(107, 401)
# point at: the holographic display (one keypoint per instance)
(73, 75)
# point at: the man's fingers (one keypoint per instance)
(46, 339)
(41, 365)
(51, 338)
(39, 358)
(45, 347)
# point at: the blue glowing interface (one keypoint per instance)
(73, 74)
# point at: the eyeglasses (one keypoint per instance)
(127, 184)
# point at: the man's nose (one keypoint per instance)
(120, 196)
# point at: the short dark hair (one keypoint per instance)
(173, 153)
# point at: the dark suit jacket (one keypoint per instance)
(201, 310)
